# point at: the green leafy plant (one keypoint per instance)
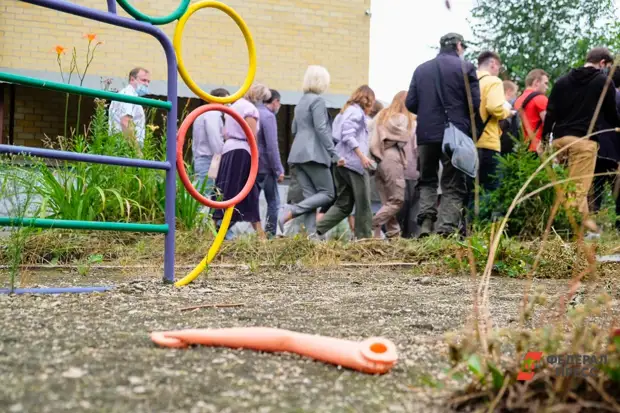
(530, 216)
(17, 198)
(512, 259)
(84, 267)
(96, 192)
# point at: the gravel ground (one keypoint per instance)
(92, 352)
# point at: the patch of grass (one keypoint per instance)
(493, 374)
(432, 255)
(528, 219)
(571, 324)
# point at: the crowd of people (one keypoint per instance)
(424, 186)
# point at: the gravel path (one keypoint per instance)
(92, 353)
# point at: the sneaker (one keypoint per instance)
(591, 226)
(283, 212)
(316, 237)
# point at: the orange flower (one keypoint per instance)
(90, 36)
(60, 50)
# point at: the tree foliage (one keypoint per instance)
(553, 35)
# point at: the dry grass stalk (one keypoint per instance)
(486, 276)
(198, 307)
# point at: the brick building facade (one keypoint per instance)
(289, 36)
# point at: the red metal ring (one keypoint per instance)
(181, 165)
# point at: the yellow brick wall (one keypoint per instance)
(40, 114)
(289, 35)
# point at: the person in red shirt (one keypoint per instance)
(532, 105)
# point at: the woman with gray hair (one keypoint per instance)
(313, 150)
(236, 160)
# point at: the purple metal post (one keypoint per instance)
(56, 290)
(112, 6)
(171, 131)
(84, 157)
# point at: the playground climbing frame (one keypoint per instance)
(146, 24)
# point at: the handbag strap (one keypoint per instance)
(440, 93)
(486, 122)
(484, 126)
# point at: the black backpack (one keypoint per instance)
(526, 102)
(511, 127)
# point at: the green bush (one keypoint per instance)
(530, 217)
(95, 192)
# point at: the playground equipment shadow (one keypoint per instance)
(92, 352)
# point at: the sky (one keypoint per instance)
(403, 34)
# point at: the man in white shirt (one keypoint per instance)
(129, 118)
(207, 142)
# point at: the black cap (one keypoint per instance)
(452, 39)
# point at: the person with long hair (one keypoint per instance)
(350, 132)
(312, 152)
(376, 108)
(390, 146)
(236, 160)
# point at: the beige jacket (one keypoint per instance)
(394, 132)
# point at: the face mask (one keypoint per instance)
(142, 89)
(275, 112)
(605, 71)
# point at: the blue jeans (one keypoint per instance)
(269, 184)
(201, 170)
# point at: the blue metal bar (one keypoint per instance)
(112, 6)
(56, 290)
(171, 156)
(84, 157)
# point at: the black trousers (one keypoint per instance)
(603, 166)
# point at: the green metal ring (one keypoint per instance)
(138, 15)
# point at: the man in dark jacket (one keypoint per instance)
(608, 156)
(425, 102)
(572, 105)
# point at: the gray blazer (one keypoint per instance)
(313, 133)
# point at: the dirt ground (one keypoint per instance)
(92, 352)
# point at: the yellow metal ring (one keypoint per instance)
(177, 43)
(217, 244)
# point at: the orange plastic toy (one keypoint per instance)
(375, 355)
